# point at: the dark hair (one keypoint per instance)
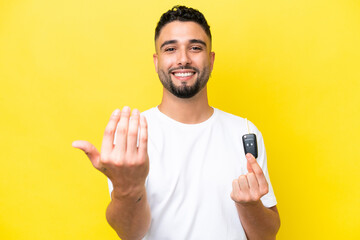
(184, 14)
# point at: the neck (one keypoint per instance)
(190, 111)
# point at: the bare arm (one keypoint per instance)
(127, 166)
(258, 221)
(134, 220)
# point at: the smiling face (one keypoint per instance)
(183, 58)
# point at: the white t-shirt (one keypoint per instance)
(192, 167)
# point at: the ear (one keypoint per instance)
(155, 58)
(212, 59)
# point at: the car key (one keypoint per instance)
(250, 144)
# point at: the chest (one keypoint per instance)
(194, 164)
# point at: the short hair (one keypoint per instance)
(183, 14)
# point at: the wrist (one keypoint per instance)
(133, 194)
(254, 204)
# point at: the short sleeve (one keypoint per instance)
(268, 200)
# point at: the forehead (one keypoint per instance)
(182, 31)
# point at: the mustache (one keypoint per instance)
(182, 68)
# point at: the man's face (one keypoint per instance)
(183, 58)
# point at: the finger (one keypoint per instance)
(236, 190)
(108, 140)
(143, 137)
(253, 183)
(235, 186)
(89, 149)
(133, 132)
(253, 166)
(243, 184)
(122, 130)
(255, 194)
(248, 165)
(256, 169)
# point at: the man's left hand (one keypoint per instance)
(250, 187)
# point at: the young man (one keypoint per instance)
(184, 174)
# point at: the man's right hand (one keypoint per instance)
(126, 163)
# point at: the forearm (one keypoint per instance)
(129, 216)
(258, 221)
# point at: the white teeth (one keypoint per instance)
(184, 74)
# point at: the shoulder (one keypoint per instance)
(150, 112)
(225, 116)
(234, 120)
(151, 115)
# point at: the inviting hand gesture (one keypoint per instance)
(126, 163)
(250, 187)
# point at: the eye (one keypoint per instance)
(196, 48)
(170, 49)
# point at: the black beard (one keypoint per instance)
(185, 91)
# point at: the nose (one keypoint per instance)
(183, 58)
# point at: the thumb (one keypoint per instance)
(91, 152)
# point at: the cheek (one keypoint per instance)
(163, 65)
(201, 60)
(168, 61)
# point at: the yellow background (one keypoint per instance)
(291, 67)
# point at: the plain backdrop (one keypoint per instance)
(291, 67)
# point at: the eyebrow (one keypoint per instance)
(168, 42)
(175, 41)
(198, 41)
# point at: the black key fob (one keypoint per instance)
(250, 144)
